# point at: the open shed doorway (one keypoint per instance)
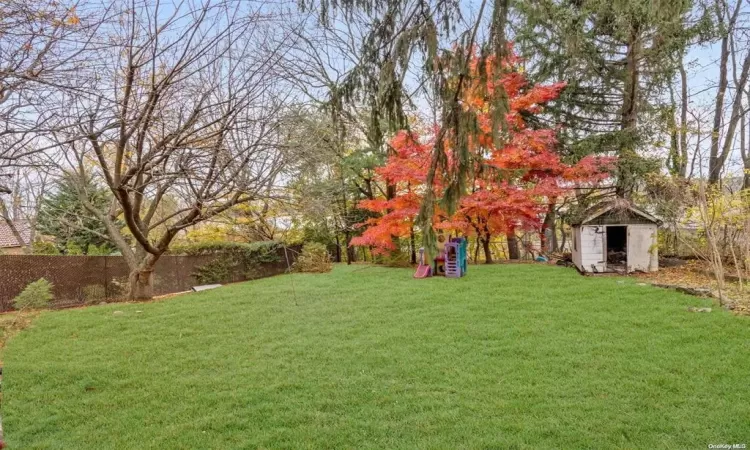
(617, 249)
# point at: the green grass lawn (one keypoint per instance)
(511, 356)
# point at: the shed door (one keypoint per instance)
(592, 248)
(640, 239)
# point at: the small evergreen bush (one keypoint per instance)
(314, 259)
(36, 295)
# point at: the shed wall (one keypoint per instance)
(577, 247)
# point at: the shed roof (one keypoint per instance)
(618, 210)
(8, 239)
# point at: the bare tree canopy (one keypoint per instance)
(43, 45)
(180, 119)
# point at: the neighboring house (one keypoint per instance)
(615, 236)
(9, 244)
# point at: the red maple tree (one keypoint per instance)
(511, 185)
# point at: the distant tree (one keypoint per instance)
(333, 172)
(618, 58)
(63, 216)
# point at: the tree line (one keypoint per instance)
(130, 125)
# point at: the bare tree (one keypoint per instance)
(42, 45)
(744, 142)
(184, 124)
(727, 16)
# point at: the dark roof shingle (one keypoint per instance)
(8, 239)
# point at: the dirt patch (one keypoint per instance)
(11, 324)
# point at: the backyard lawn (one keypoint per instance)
(511, 356)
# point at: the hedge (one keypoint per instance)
(247, 256)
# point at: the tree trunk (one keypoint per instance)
(713, 170)
(487, 250)
(32, 234)
(736, 117)
(141, 284)
(714, 161)
(349, 249)
(553, 232)
(627, 159)
(548, 228)
(513, 251)
(673, 160)
(412, 245)
(683, 121)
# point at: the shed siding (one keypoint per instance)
(577, 247)
(592, 248)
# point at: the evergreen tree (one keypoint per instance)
(618, 58)
(64, 216)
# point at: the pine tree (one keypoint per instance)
(64, 216)
(617, 57)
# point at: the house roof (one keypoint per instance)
(8, 239)
(618, 208)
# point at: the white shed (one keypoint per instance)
(615, 236)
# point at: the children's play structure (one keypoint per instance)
(450, 261)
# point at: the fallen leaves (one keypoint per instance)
(695, 275)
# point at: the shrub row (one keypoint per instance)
(230, 256)
(263, 251)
